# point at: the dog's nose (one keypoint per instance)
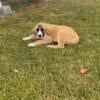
(39, 35)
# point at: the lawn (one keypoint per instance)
(41, 73)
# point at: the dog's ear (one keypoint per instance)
(34, 30)
(47, 31)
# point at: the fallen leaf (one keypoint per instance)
(83, 70)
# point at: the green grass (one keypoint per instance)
(51, 74)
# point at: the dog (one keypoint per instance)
(48, 33)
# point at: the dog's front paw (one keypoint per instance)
(31, 45)
(49, 46)
(24, 39)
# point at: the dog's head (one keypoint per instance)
(40, 30)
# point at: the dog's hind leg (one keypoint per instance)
(61, 42)
(60, 45)
(55, 46)
(28, 38)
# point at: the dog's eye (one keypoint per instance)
(37, 29)
(42, 29)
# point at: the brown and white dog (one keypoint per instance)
(47, 33)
